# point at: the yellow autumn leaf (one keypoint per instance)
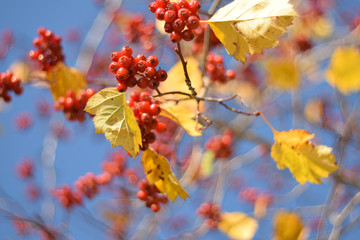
(62, 78)
(306, 161)
(282, 74)
(343, 72)
(158, 172)
(182, 116)
(238, 225)
(245, 26)
(207, 163)
(288, 226)
(116, 119)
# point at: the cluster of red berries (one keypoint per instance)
(67, 196)
(25, 169)
(211, 212)
(221, 145)
(177, 16)
(116, 165)
(49, 50)
(145, 110)
(137, 30)
(9, 82)
(251, 195)
(164, 143)
(150, 195)
(23, 121)
(216, 69)
(199, 38)
(72, 105)
(140, 71)
(87, 185)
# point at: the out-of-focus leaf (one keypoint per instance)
(182, 116)
(306, 161)
(158, 172)
(207, 163)
(63, 78)
(282, 74)
(249, 26)
(314, 111)
(238, 225)
(343, 72)
(116, 119)
(288, 226)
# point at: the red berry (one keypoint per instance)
(141, 66)
(152, 61)
(122, 74)
(115, 56)
(175, 37)
(142, 195)
(125, 61)
(146, 118)
(153, 6)
(161, 75)
(161, 127)
(142, 82)
(140, 57)
(113, 67)
(230, 74)
(131, 82)
(154, 83)
(178, 25)
(150, 137)
(121, 86)
(194, 6)
(155, 109)
(150, 72)
(170, 16)
(160, 13)
(126, 51)
(187, 35)
(145, 96)
(135, 96)
(155, 207)
(183, 14)
(183, 4)
(193, 22)
(171, 6)
(168, 27)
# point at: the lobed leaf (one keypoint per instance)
(158, 172)
(116, 119)
(249, 26)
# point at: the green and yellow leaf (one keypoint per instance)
(62, 78)
(288, 226)
(343, 72)
(116, 119)
(158, 172)
(207, 163)
(282, 74)
(307, 162)
(238, 225)
(249, 26)
(182, 116)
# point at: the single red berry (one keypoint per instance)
(161, 75)
(115, 56)
(154, 123)
(155, 109)
(121, 86)
(161, 127)
(150, 72)
(145, 96)
(171, 6)
(160, 13)
(168, 27)
(193, 22)
(144, 106)
(230, 74)
(154, 83)
(122, 74)
(183, 4)
(155, 207)
(140, 57)
(142, 82)
(170, 16)
(131, 82)
(153, 6)
(194, 6)
(113, 67)
(126, 51)
(152, 61)
(187, 35)
(175, 37)
(162, 3)
(142, 195)
(146, 118)
(178, 25)
(135, 96)
(183, 14)
(125, 61)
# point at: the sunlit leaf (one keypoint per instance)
(307, 162)
(63, 78)
(207, 163)
(288, 226)
(158, 172)
(182, 116)
(282, 74)
(116, 119)
(249, 26)
(238, 225)
(343, 72)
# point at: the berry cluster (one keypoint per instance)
(23, 121)
(252, 195)
(150, 195)
(49, 50)
(137, 30)
(177, 16)
(199, 38)
(211, 212)
(145, 110)
(140, 71)
(25, 169)
(67, 196)
(116, 165)
(216, 69)
(9, 82)
(221, 145)
(87, 185)
(73, 106)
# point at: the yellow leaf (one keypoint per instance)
(245, 26)
(176, 80)
(207, 163)
(288, 226)
(116, 119)
(25, 72)
(238, 225)
(343, 72)
(182, 116)
(306, 161)
(282, 74)
(63, 78)
(158, 172)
